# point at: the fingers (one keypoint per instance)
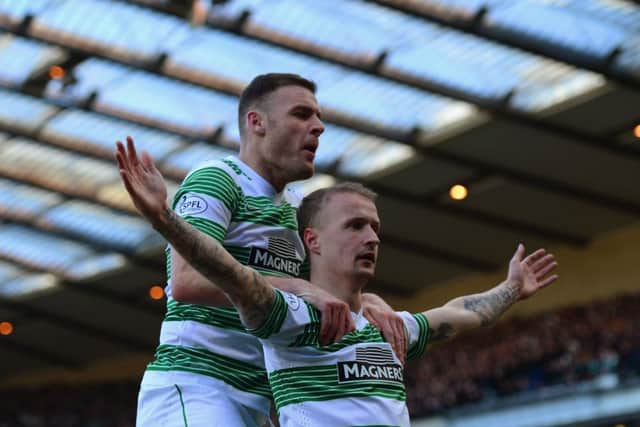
(132, 155)
(126, 179)
(519, 252)
(544, 266)
(548, 280)
(534, 257)
(120, 160)
(401, 339)
(325, 326)
(330, 325)
(121, 156)
(392, 329)
(340, 326)
(396, 336)
(351, 325)
(542, 263)
(147, 162)
(335, 323)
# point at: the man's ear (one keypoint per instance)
(311, 240)
(255, 123)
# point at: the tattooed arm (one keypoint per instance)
(248, 291)
(526, 276)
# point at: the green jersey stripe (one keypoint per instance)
(311, 333)
(417, 350)
(319, 383)
(242, 376)
(280, 216)
(214, 182)
(312, 329)
(367, 334)
(337, 393)
(207, 226)
(273, 322)
(220, 317)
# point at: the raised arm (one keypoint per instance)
(248, 291)
(525, 277)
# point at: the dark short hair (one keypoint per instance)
(263, 85)
(315, 201)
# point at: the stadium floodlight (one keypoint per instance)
(20, 59)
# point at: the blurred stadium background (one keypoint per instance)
(481, 123)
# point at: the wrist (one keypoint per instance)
(161, 222)
(512, 288)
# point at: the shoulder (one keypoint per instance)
(292, 196)
(213, 168)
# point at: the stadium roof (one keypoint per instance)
(530, 104)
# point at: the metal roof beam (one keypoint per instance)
(477, 27)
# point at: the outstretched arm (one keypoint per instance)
(526, 277)
(248, 291)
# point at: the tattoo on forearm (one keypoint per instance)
(254, 306)
(491, 305)
(444, 331)
(248, 290)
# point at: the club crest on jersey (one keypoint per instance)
(371, 364)
(280, 256)
(191, 205)
(293, 301)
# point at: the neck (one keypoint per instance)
(272, 175)
(347, 289)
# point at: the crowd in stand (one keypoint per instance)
(105, 405)
(568, 346)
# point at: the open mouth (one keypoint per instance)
(369, 256)
(310, 147)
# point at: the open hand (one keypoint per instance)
(143, 181)
(533, 272)
(335, 315)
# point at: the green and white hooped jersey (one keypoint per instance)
(230, 202)
(357, 381)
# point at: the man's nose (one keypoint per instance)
(318, 128)
(372, 237)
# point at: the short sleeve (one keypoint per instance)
(207, 198)
(418, 333)
(289, 318)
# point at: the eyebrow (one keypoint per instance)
(365, 219)
(308, 109)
